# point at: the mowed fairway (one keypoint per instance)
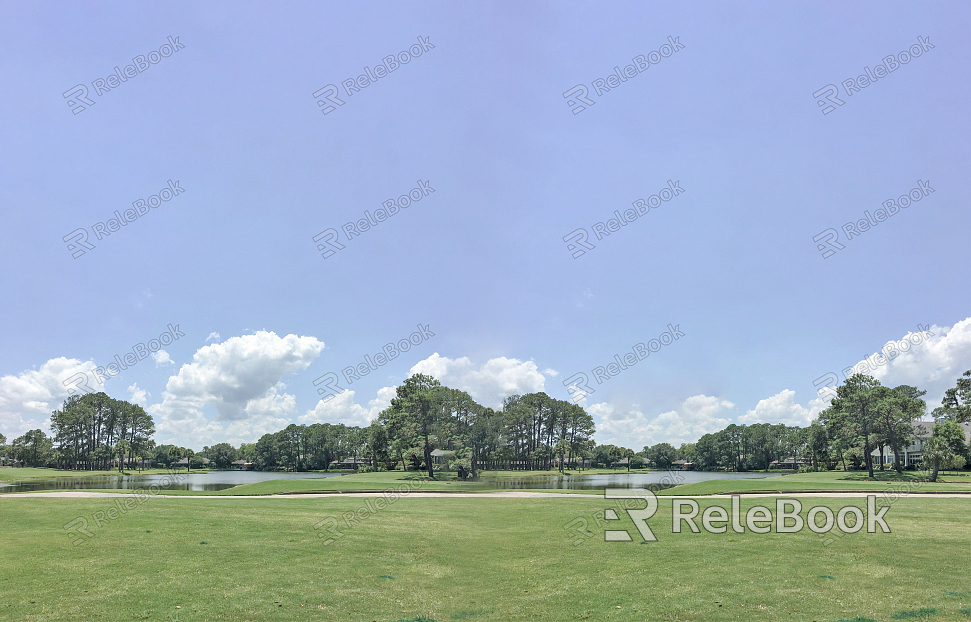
(467, 559)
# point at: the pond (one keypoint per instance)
(220, 480)
(213, 480)
(651, 480)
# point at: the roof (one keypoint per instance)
(925, 429)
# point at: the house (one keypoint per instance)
(350, 463)
(911, 455)
(440, 456)
(583, 464)
(683, 465)
(243, 465)
(789, 463)
(137, 464)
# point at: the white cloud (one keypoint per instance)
(162, 358)
(552, 373)
(214, 336)
(27, 400)
(931, 359)
(342, 409)
(240, 378)
(497, 379)
(138, 396)
(697, 415)
(780, 408)
(932, 364)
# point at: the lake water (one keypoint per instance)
(653, 480)
(220, 480)
(214, 480)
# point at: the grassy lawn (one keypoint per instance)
(598, 471)
(828, 480)
(465, 559)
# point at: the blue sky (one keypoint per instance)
(480, 119)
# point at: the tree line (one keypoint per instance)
(89, 432)
(530, 432)
(864, 416)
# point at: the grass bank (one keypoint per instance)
(478, 559)
(848, 481)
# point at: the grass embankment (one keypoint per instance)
(617, 471)
(478, 559)
(848, 481)
(385, 480)
(16, 474)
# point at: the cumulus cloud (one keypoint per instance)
(930, 358)
(241, 379)
(342, 409)
(27, 400)
(552, 373)
(162, 358)
(495, 380)
(780, 408)
(488, 384)
(138, 396)
(697, 415)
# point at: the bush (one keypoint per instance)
(365, 468)
(195, 462)
(805, 469)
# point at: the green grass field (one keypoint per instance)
(828, 480)
(488, 559)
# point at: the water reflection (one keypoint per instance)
(220, 480)
(653, 480)
(212, 481)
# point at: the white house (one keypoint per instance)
(912, 454)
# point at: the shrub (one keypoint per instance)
(365, 468)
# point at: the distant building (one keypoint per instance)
(441, 454)
(583, 464)
(138, 464)
(911, 455)
(789, 463)
(683, 465)
(243, 465)
(350, 463)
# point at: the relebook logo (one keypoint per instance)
(716, 519)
